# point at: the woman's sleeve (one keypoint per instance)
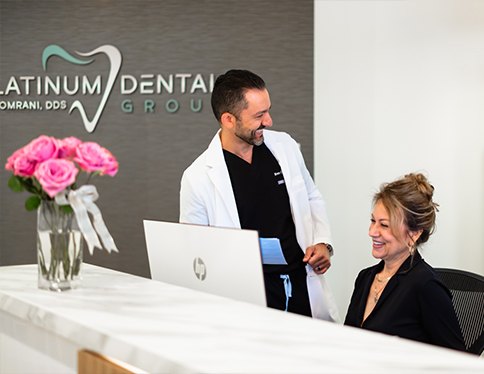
(439, 318)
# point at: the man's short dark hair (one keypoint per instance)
(228, 93)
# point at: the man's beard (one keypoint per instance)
(250, 138)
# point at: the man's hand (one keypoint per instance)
(318, 257)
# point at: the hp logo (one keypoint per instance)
(199, 268)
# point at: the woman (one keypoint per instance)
(401, 295)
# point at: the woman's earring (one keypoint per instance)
(411, 249)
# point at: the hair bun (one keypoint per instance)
(422, 184)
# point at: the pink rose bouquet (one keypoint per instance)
(48, 166)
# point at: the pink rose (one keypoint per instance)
(55, 175)
(91, 157)
(24, 166)
(67, 147)
(111, 165)
(11, 160)
(20, 163)
(42, 148)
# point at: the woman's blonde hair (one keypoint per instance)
(408, 201)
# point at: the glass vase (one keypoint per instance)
(60, 246)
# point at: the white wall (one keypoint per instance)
(399, 87)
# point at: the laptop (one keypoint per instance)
(222, 261)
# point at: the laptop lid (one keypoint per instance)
(221, 261)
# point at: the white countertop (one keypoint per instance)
(164, 328)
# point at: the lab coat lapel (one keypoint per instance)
(304, 232)
(219, 175)
(277, 149)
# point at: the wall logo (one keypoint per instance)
(199, 268)
(25, 92)
(115, 59)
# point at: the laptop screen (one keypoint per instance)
(222, 261)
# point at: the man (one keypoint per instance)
(253, 178)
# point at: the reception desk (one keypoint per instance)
(161, 328)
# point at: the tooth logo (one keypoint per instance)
(114, 57)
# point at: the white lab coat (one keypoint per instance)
(207, 198)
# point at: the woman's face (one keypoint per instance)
(387, 245)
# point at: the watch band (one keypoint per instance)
(330, 248)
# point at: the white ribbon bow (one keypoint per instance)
(82, 202)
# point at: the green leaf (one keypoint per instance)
(67, 209)
(32, 203)
(32, 185)
(15, 184)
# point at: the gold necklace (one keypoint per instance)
(378, 292)
(382, 280)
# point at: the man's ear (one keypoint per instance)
(228, 120)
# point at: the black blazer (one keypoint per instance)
(414, 305)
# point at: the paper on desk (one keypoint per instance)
(272, 252)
